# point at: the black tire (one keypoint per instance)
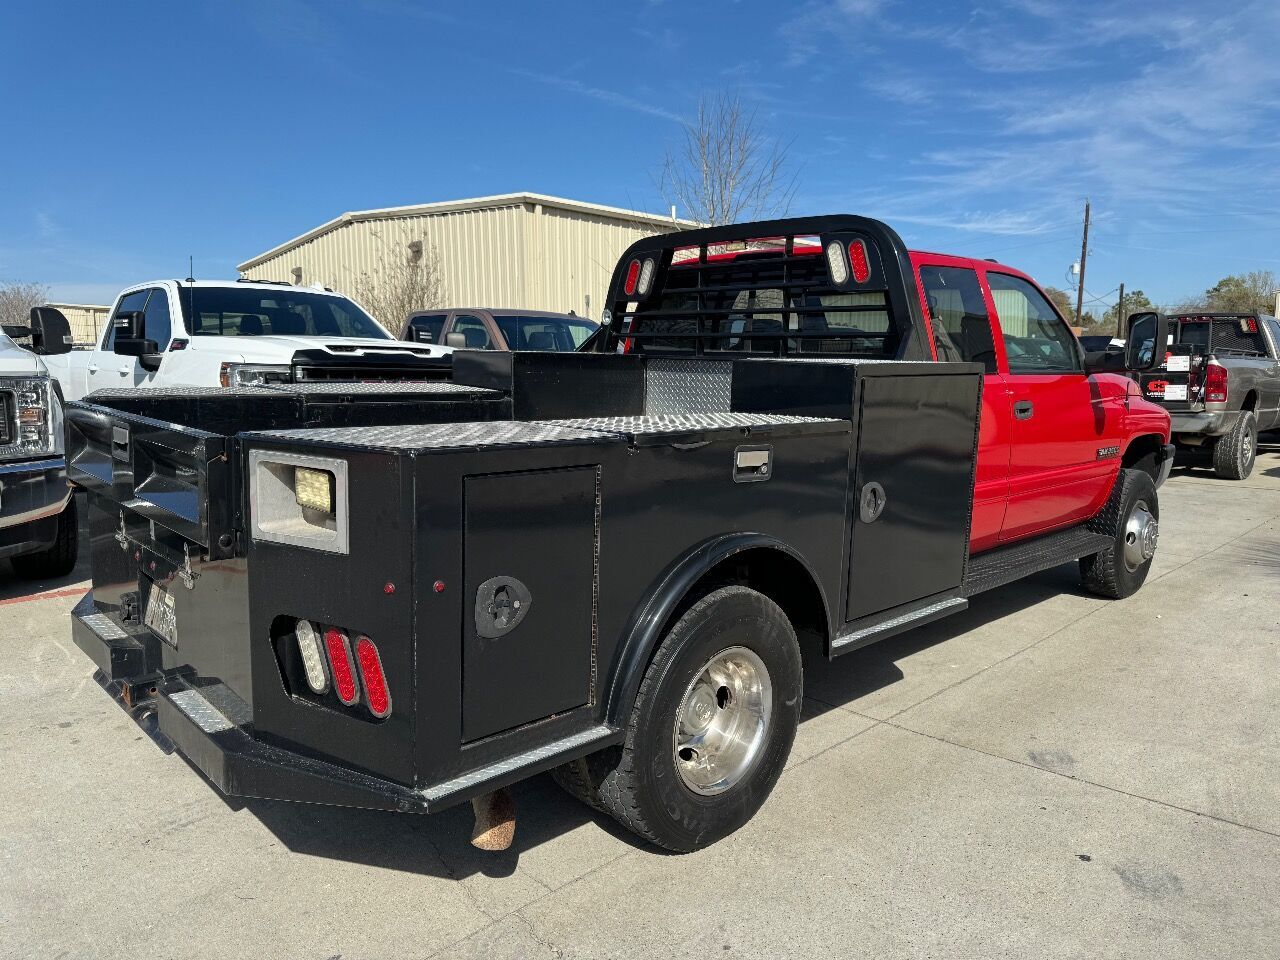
(1113, 573)
(1235, 452)
(58, 559)
(640, 785)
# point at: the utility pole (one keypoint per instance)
(1084, 253)
(1120, 324)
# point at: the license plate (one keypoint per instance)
(1175, 391)
(162, 614)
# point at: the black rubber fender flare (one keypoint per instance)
(653, 615)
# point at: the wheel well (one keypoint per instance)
(1250, 401)
(780, 577)
(1144, 454)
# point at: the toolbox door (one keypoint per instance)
(529, 613)
(914, 489)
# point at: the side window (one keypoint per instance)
(427, 329)
(1274, 327)
(133, 302)
(1035, 338)
(474, 330)
(159, 327)
(958, 312)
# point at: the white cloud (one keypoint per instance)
(599, 93)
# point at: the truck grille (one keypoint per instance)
(8, 419)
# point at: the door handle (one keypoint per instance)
(91, 368)
(1024, 409)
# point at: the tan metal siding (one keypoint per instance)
(86, 320)
(495, 256)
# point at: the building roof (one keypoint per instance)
(474, 203)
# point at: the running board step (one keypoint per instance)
(883, 625)
(1003, 565)
(505, 772)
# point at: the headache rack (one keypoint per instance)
(805, 287)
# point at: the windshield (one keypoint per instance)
(544, 333)
(253, 312)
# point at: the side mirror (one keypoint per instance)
(147, 351)
(15, 331)
(129, 325)
(458, 340)
(1147, 342)
(50, 331)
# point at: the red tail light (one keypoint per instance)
(375, 682)
(1215, 383)
(338, 647)
(633, 274)
(858, 261)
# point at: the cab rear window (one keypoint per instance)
(1241, 334)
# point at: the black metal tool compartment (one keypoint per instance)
(912, 463)
(530, 569)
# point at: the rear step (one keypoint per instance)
(1003, 565)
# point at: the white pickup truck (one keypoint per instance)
(38, 527)
(237, 333)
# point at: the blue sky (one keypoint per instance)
(138, 133)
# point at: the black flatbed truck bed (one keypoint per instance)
(522, 548)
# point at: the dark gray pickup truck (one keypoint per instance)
(1220, 382)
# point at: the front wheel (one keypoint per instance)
(712, 725)
(1133, 517)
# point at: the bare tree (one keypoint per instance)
(17, 299)
(727, 169)
(406, 278)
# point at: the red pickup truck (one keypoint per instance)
(792, 434)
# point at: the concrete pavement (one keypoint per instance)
(1046, 775)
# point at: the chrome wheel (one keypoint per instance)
(723, 721)
(1246, 450)
(1141, 531)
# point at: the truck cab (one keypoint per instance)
(171, 333)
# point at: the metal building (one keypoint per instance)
(86, 320)
(512, 250)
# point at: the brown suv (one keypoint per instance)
(481, 329)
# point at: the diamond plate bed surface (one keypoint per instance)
(373, 389)
(107, 393)
(441, 436)
(687, 422)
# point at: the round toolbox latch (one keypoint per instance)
(871, 502)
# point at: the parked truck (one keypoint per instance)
(477, 328)
(38, 519)
(1219, 379)
(791, 434)
(211, 333)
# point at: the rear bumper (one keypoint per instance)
(1204, 423)
(209, 725)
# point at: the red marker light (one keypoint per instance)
(438, 586)
(375, 682)
(633, 274)
(389, 588)
(338, 647)
(858, 261)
